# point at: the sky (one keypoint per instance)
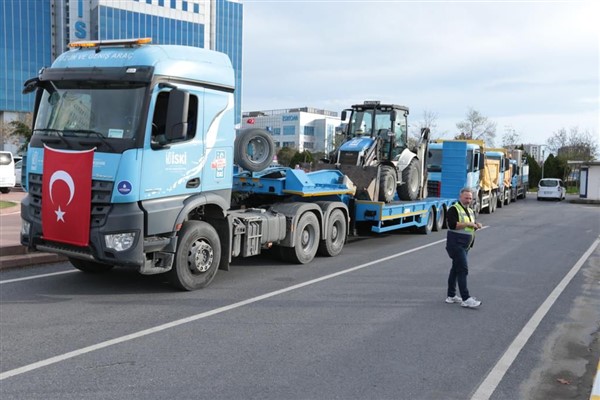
(529, 66)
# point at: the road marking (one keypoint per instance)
(173, 324)
(489, 384)
(27, 278)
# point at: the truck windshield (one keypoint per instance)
(434, 160)
(106, 111)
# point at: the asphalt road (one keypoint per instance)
(368, 324)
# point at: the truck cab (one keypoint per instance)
(159, 120)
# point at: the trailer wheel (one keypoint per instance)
(409, 189)
(440, 219)
(335, 235)
(90, 267)
(387, 184)
(306, 239)
(254, 149)
(197, 256)
(426, 229)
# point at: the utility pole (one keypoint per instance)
(543, 162)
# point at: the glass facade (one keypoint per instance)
(228, 40)
(114, 23)
(25, 47)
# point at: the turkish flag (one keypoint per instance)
(66, 196)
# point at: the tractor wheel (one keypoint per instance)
(387, 184)
(409, 189)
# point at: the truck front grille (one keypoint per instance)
(101, 193)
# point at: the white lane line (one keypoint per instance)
(489, 384)
(27, 278)
(168, 325)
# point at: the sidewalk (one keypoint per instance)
(12, 253)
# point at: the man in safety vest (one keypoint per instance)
(461, 235)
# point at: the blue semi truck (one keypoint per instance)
(171, 187)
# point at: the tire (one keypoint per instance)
(335, 235)
(306, 241)
(197, 256)
(387, 184)
(500, 202)
(493, 203)
(90, 267)
(440, 220)
(254, 150)
(426, 229)
(409, 189)
(5, 190)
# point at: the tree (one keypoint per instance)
(478, 127)
(574, 145)
(284, 156)
(510, 138)
(535, 171)
(19, 132)
(429, 120)
(555, 167)
(301, 158)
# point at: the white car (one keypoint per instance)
(551, 188)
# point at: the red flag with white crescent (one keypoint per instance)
(66, 196)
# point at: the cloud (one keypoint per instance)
(503, 59)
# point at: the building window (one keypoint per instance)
(309, 145)
(309, 130)
(184, 5)
(173, 4)
(289, 130)
(196, 8)
(161, 3)
(276, 131)
(289, 144)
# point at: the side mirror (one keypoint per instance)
(177, 112)
(481, 161)
(393, 115)
(343, 117)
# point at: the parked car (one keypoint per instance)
(18, 165)
(551, 188)
(7, 171)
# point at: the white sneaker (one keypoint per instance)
(452, 300)
(471, 302)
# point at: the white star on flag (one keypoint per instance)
(59, 215)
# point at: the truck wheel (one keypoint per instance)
(387, 184)
(500, 201)
(426, 229)
(335, 235)
(197, 256)
(254, 149)
(439, 219)
(90, 267)
(409, 189)
(493, 203)
(307, 240)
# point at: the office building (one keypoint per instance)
(304, 128)
(34, 33)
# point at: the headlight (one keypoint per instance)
(25, 227)
(119, 241)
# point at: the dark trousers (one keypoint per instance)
(458, 272)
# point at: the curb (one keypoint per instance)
(20, 256)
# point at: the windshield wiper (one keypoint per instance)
(58, 133)
(89, 132)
